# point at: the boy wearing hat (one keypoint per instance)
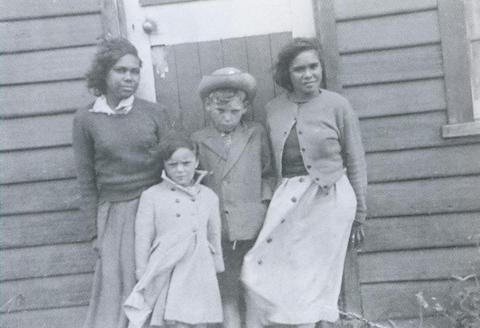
(237, 153)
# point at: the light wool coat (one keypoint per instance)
(178, 252)
(241, 175)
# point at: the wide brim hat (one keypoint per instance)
(228, 78)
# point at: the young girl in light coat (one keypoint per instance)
(177, 246)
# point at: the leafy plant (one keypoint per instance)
(462, 305)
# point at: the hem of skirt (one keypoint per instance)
(304, 317)
(192, 321)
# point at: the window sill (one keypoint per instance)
(461, 130)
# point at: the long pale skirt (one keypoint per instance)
(114, 276)
(293, 274)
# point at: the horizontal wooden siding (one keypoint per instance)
(47, 259)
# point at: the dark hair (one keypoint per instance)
(281, 72)
(108, 53)
(174, 140)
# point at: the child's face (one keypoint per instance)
(226, 117)
(180, 167)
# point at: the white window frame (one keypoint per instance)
(456, 18)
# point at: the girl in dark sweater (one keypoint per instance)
(114, 140)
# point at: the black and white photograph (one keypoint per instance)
(240, 163)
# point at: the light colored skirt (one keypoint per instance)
(114, 276)
(293, 274)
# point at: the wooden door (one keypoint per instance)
(193, 38)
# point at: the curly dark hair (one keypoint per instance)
(108, 53)
(287, 54)
(173, 140)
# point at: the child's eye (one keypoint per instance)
(120, 69)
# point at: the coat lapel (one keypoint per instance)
(240, 139)
(214, 142)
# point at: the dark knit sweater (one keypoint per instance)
(115, 155)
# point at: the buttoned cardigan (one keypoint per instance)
(330, 141)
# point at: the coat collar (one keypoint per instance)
(192, 190)
(240, 138)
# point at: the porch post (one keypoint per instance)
(113, 18)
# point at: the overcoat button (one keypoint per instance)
(294, 199)
(301, 179)
(317, 179)
(303, 149)
(193, 199)
(260, 262)
(309, 166)
(269, 240)
(172, 189)
(178, 215)
(283, 221)
(300, 132)
(177, 200)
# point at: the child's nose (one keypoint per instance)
(180, 167)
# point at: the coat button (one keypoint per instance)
(192, 199)
(283, 221)
(172, 189)
(177, 200)
(303, 150)
(301, 179)
(300, 132)
(285, 133)
(309, 166)
(178, 215)
(317, 179)
(260, 262)
(226, 212)
(269, 240)
(294, 199)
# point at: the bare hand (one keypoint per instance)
(357, 235)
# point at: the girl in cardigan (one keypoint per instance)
(177, 246)
(293, 273)
(114, 141)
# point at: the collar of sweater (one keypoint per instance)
(101, 106)
(191, 190)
